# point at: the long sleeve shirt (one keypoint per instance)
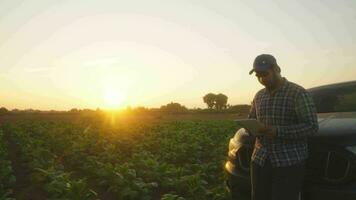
(292, 111)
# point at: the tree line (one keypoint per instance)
(216, 103)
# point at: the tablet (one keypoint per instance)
(251, 125)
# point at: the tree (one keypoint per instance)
(140, 110)
(3, 110)
(220, 101)
(174, 108)
(209, 99)
(74, 110)
(15, 110)
(241, 109)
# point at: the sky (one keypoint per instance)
(103, 54)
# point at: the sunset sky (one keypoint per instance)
(89, 54)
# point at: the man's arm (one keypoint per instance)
(307, 120)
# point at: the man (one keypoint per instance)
(289, 115)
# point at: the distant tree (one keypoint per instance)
(242, 109)
(140, 110)
(209, 99)
(74, 110)
(174, 108)
(15, 110)
(220, 101)
(217, 101)
(3, 110)
(30, 110)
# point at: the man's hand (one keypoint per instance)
(268, 131)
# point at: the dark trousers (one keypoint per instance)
(280, 183)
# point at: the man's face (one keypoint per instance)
(266, 78)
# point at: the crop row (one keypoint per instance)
(6, 173)
(167, 160)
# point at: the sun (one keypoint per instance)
(114, 97)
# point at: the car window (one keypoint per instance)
(337, 98)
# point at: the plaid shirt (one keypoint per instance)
(292, 111)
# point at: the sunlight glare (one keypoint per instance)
(114, 97)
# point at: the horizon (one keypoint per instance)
(118, 109)
(89, 55)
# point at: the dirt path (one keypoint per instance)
(23, 189)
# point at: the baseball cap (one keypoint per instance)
(263, 62)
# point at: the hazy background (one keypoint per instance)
(65, 54)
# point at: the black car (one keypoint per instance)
(331, 166)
